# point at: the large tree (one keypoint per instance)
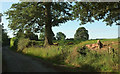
(86, 12)
(35, 15)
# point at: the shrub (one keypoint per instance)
(13, 43)
(36, 43)
(99, 61)
(60, 36)
(31, 36)
(4, 40)
(23, 43)
(77, 56)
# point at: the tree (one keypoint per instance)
(4, 37)
(60, 36)
(82, 34)
(90, 11)
(42, 35)
(35, 15)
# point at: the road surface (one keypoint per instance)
(15, 62)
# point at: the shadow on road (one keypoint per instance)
(57, 63)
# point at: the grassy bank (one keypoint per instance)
(73, 60)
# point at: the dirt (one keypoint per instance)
(15, 62)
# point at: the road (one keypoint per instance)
(16, 62)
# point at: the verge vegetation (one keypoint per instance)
(77, 57)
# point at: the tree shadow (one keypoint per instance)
(61, 66)
(83, 68)
(57, 62)
(88, 68)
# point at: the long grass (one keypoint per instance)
(52, 53)
(70, 57)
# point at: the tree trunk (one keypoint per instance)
(48, 36)
(48, 25)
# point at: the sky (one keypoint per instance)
(98, 29)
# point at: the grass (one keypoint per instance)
(49, 53)
(66, 42)
(73, 60)
(100, 61)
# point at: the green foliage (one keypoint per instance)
(73, 56)
(36, 43)
(60, 36)
(50, 14)
(66, 42)
(52, 54)
(27, 34)
(90, 11)
(42, 36)
(20, 34)
(3, 37)
(31, 36)
(99, 61)
(14, 43)
(82, 34)
(28, 14)
(23, 43)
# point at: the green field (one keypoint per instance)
(75, 59)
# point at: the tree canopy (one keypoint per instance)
(36, 15)
(82, 34)
(90, 11)
(27, 15)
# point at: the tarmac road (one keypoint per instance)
(16, 62)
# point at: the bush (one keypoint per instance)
(98, 61)
(60, 36)
(54, 54)
(36, 43)
(23, 43)
(77, 56)
(67, 42)
(13, 43)
(40, 43)
(4, 40)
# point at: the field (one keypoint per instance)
(74, 56)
